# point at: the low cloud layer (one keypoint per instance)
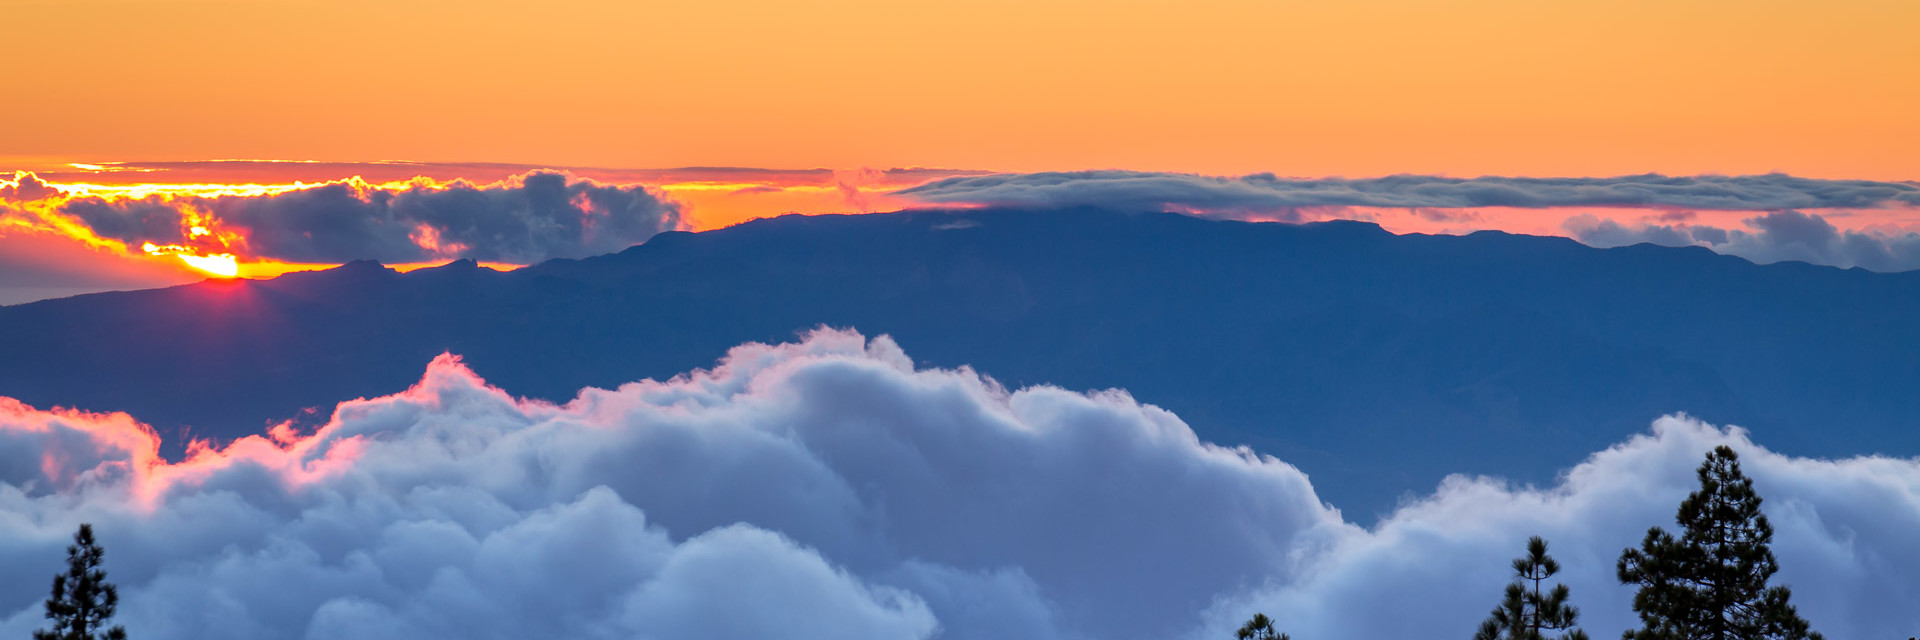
(827, 488)
(1778, 230)
(1773, 237)
(1265, 193)
(524, 219)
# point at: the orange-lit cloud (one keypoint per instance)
(217, 228)
(84, 449)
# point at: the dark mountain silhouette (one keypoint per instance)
(1377, 363)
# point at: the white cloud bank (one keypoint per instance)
(827, 489)
(1773, 237)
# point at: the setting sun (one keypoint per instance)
(220, 264)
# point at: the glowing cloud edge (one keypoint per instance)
(808, 440)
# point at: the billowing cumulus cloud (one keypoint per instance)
(1769, 238)
(827, 488)
(1841, 532)
(1265, 193)
(525, 219)
(903, 497)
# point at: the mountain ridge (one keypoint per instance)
(1378, 362)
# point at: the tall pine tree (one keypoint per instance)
(82, 599)
(1710, 583)
(1530, 611)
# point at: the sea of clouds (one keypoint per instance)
(827, 488)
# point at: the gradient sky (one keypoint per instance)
(1367, 87)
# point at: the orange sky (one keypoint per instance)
(1360, 87)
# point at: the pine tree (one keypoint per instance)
(1710, 583)
(1260, 627)
(1530, 611)
(82, 599)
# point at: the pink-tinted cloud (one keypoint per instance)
(847, 494)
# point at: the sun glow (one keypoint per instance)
(224, 265)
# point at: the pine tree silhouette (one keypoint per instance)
(1529, 611)
(82, 598)
(1711, 582)
(1260, 627)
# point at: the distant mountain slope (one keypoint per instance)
(1377, 363)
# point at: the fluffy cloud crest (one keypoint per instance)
(25, 186)
(1773, 237)
(828, 489)
(524, 219)
(1840, 530)
(1265, 193)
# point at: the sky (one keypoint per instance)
(828, 98)
(1223, 87)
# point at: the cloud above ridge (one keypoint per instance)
(827, 488)
(1776, 228)
(1266, 193)
(1772, 237)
